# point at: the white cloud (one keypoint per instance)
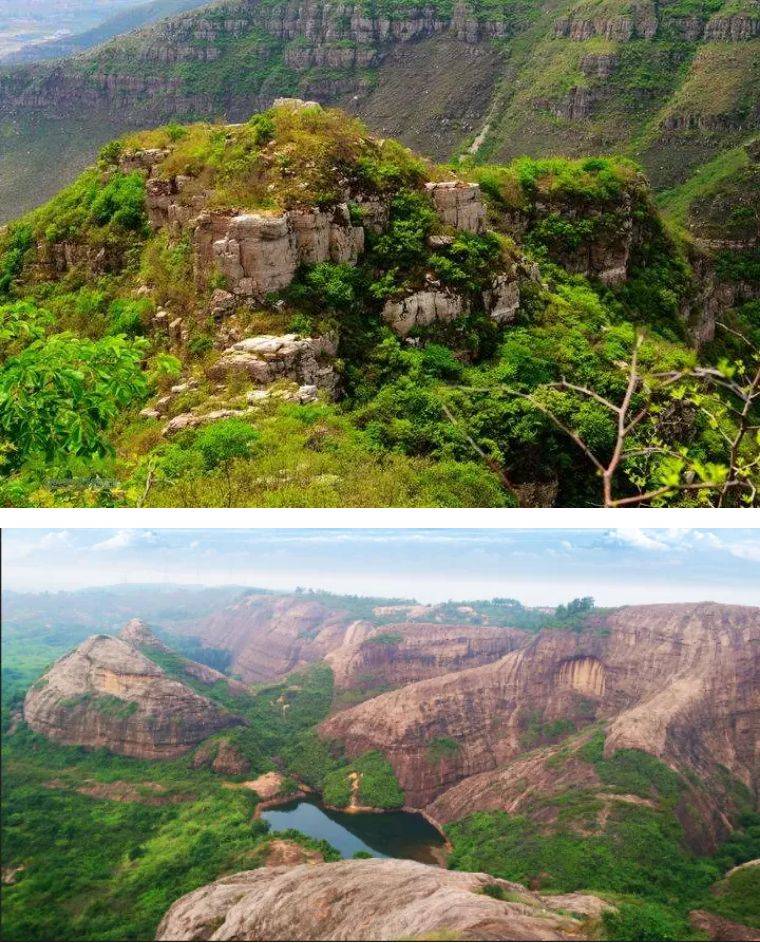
(635, 537)
(746, 552)
(123, 539)
(54, 540)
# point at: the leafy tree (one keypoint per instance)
(222, 443)
(59, 395)
(21, 323)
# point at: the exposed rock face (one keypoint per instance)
(260, 253)
(268, 785)
(266, 358)
(678, 681)
(458, 204)
(513, 785)
(438, 305)
(719, 928)
(108, 694)
(503, 299)
(270, 636)
(411, 651)
(222, 757)
(137, 634)
(369, 900)
(422, 309)
(288, 853)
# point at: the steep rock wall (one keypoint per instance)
(108, 694)
(680, 682)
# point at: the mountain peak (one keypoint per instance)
(107, 693)
(137, 633)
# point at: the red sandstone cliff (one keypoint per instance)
(108, 694)
(681, 682)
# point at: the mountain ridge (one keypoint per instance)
(642, 78)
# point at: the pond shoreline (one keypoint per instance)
(440, 853)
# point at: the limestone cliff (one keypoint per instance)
(106, 693)
(499, 81)
(372, 900)
(677, 681)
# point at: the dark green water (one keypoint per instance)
(384, 835)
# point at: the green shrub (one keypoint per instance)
(442, 748)
(378, 786)
(128, 317)
(14, 247)
(21, 323)
(641, 920)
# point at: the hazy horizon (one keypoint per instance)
(537, 567)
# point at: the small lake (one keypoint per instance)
(382, 834)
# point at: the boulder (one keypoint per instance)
(266, 358)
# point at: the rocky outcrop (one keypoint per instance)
(502, 300)
(514, 786)
(258, 253)
(270, 636)
(137, 634)
(458, 204)
(737, 28)
(439, 305)
(371, 900)
(266, 359)
(676, 681)
(108, 694)
(399, 654)
(422, 309)
(717, 928)
(641, 24)
(221, 756)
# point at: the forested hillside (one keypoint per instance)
(290, 311)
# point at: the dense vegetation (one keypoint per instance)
(376, 784)
(166, 827)
(467, 414)
(633, 854)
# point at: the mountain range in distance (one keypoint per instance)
(672, 85)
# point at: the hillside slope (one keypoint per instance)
(674, 83)
(293, 311)
(107, 693)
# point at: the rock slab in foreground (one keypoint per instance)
(374, 899)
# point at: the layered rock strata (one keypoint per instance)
(681, 682)
(403, 653)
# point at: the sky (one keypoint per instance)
(538, 567)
